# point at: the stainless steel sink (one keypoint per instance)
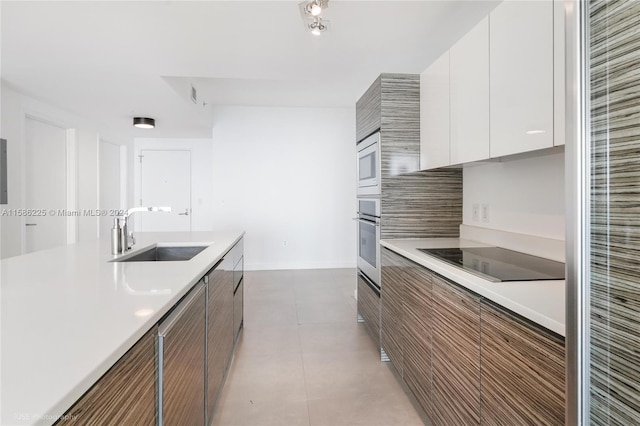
(164, 254)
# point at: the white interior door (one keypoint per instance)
(45, 185)
(109, 184)
(165, 180)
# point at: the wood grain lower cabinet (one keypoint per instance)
(418, 318)
(181, 358)
(125, 395)
(466, 360)
(391, 307)
(455, 355)
(219, 328)
(523, 371)
(369, 307)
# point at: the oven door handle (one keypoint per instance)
(371, 222)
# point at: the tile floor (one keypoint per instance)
(302, 359)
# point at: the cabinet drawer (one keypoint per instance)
(238, 273)
(181, 349)
(369, 308)
(237, 251)
(219, 329)
(238, 308)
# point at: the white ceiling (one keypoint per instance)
(112, 60)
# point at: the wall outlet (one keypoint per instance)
(475, 212)
(484, 212)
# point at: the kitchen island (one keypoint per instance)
(69, 313)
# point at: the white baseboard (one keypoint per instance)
(536, 246)
(277, 266)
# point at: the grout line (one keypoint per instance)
(304, 371)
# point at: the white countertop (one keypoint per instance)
(542, 302)
(68, 314)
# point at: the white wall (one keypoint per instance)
(287, 177)
(524, 196)
(15, 107)
(201, 184)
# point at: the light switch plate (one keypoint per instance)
(475, 212)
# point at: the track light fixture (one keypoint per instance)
(310, 11)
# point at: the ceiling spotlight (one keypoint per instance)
(144, 122)
(314, 7)
(317, 27)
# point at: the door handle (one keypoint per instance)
(31, 224)
(184, 213)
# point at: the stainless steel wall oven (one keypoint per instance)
(369, 238)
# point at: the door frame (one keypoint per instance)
(122, 182)
(71, 173)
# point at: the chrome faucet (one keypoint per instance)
(121, 240)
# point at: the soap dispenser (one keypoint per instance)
(116, 238)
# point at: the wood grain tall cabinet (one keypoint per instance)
(413, 203)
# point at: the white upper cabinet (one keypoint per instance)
(434, 114)
(469, 79)
(522, 77)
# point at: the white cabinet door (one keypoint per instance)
(434, 114)
(521, 63)
(470, 95)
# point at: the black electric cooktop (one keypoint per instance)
(498, 264)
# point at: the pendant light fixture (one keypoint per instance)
(144, 122)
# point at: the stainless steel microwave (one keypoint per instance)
(369, 165)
